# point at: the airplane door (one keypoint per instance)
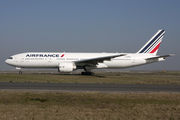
(133, 61)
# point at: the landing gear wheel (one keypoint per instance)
(87, 73)
(20, 72)
(82, 73)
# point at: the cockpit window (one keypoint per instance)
(10, 58)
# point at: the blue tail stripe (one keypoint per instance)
(151, 41)
(154, 43)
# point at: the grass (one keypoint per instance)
(159, 78)
(91, 106)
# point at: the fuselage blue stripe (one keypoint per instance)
(151, 41)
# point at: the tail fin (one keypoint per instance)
(153, 44)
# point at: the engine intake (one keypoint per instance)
(66, 67)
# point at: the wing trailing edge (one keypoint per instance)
(99, 59)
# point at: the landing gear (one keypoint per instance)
(87, 73)
(18, 68)
(20, 72)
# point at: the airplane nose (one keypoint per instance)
(7, 61)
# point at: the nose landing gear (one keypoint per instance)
(20, 72)
(17, 68)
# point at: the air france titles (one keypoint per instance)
(42, 55)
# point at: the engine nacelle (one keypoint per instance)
(66, 67)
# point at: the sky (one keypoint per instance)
(89, 26)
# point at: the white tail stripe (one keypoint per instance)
(153, 43)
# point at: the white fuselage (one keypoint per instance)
(52, 60)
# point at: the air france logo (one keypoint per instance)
(42, 55)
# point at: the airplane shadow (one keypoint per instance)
(67, 74)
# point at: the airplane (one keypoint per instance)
(68, 62)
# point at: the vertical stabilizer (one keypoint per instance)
(153, 44)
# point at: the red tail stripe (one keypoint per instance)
(154, 50)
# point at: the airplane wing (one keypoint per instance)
(96, 60)
(163, 56)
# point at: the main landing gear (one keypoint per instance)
(87, 71)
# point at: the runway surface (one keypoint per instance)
(69, 87)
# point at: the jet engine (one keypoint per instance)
(66, 67)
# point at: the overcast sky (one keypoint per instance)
(89, 26)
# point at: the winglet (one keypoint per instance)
(153, 44)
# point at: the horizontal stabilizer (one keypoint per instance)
(163, 56)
